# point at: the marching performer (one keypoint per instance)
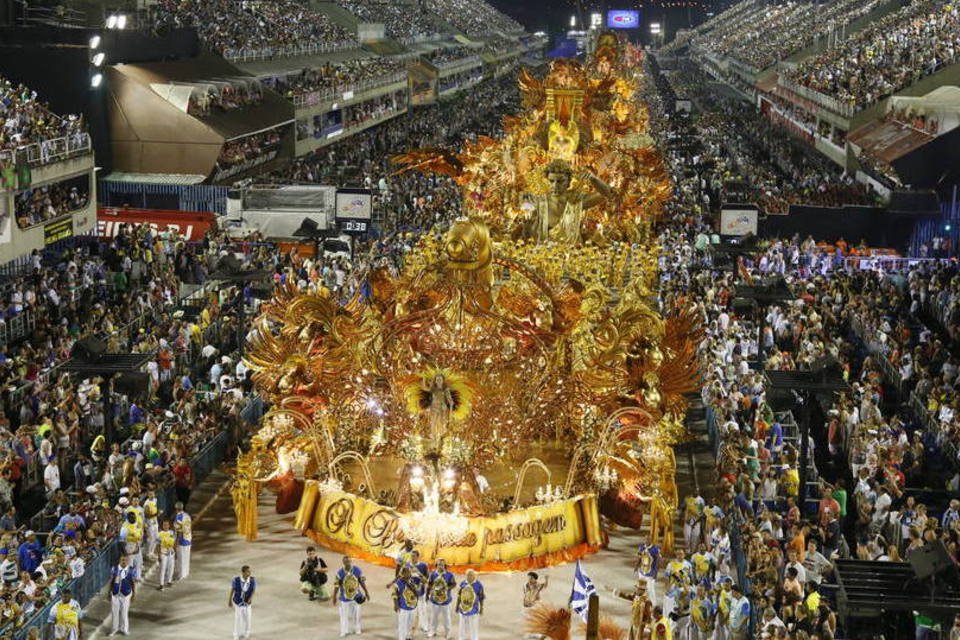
(240, 599)
(440, 595)
(420, 574)
(406, 595)
(693, 520)
(123, 589)
(470, 606)
(166, 550)
(152, 529)
(131, 535)
(703, 610)
(66, 616)
(648, 561)
(183, 525)
(347, 596)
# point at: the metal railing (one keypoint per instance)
(17, 327)
(270, 53)
(313, 98)
(827, 102)
(49, 151)
(459, 62)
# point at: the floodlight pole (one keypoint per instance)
(593, 617)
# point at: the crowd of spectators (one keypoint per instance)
(26, 119)
(410, 200)
(440, 57)
(236, 152)
(225, 97)
(874, 469)
(99, 446)
(893, 52)
(759, 158)
(473, 17)
(404, 21)
(40, 204)
(252, 26)
(761, 34)
(336, 77)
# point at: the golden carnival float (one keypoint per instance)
(515, 380)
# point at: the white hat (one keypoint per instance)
(124, 491)
(28, 533)
(123, 501)
(91, 489)
(136, 445)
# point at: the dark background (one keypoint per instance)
(553, 16)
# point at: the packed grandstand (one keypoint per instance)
(807, 229)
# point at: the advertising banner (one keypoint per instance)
(190, 224)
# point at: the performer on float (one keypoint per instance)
(440, 595)
(648, 561)
(406, 596)
(470, 606)
(349, 592)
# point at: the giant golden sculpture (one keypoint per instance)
(520, 340)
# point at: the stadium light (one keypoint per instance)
(94, 42)
(98, 59)
(596, 20)
(573, 21)
(111, 21)
(121, 21)
(655, 28)
(96, 80)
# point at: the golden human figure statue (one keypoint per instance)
(558, 215)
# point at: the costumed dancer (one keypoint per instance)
(66, 617)
(693, 520)
(349, 592)
(150, 513)
(703, 613)
(166, 553)
(419, 574)
(240, 599)
(648, 561)
(532, 589)
(641, 610)
(470, 606)
(131, 536)
(183, 525)
(406, 596)
(123, 589)
(440, 596)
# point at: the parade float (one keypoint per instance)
(515, 380)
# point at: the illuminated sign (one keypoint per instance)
(623, 19)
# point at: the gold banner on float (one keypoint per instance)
(526, 538)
